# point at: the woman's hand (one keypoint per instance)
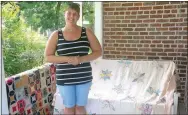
(74, 60)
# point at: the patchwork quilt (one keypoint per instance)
(31, 92)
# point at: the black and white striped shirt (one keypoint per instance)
(67, 74)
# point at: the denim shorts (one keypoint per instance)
(74, 94)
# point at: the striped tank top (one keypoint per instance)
(67, 74)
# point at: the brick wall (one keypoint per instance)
(147, 31)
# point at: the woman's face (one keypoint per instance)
(71, 16)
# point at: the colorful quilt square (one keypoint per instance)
(14, 108)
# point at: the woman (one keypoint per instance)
(73, 69)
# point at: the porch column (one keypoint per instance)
(98, 27)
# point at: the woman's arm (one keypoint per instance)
(95, 47)
(50, 50)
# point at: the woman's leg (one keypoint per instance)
(68, 94)
(82, 92)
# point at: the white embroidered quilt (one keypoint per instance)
(129, 87)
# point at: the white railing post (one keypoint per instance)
(4, 103)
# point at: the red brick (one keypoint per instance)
(138, 4)
(159, 11)
(121, 41)
(127, 4)
(174, 11)
(120, 9)
(146, 12)
(157, 7)
(130, 17)
(121, 49)
(145, 41)
(145, 8)
(109, 25)
(133, 41)
(154, 33)
(109, 56)
(168, 24)
(167, 11)
(144, 49)
(162, 29)
(156, 41)
(169, 16)
(143, 16)
(133, 33)
(143, 33)
(176, 20)
(167, 58)
(153, 58)
(142, 25)
(168, 50)
(168, 33)
(162, 20)
(152, 12)
(140, 29)
(161, 3)
(126, 21)
(121, 25)
(115, 4)
(132, 49)
(109, 17)
(109, 41)
(114, 52)
(169, 6)
(105, 5)
(136, 21)
(149, 20)
(175, 28)
(109, 48)
(185, 28)
(148, 3)
(138, 53)
(111, 13)
(133, 8)
(150, 53)
(162, 54)
(109, 9)
(115, 21)
(141, 57)
(120, 33)
(116, 13)
(167, 41)
(121, 13)
(140, 12)
(157, 50)
(155, 16)
(134, 12)
(182, 15)
(120, 17)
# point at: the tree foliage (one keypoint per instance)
(22, 48)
